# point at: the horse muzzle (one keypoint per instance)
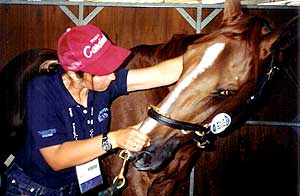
(153, 157)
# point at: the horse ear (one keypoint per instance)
(232, 10)
(280, 40)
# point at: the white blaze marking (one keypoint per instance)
(148, 125)
(207, 60)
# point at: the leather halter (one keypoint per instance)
(154, 113)
(202, 134)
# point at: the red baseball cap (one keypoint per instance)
(85, 48)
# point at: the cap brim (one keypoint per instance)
(108, 62)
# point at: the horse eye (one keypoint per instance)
(224, 93)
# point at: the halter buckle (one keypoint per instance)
(157, 110)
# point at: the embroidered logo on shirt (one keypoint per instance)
(47, 133)
(103, 114)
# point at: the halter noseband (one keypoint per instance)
(202, 133)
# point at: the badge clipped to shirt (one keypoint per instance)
(89, 175)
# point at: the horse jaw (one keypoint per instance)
(153, 159)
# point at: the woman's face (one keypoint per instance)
(98, 83)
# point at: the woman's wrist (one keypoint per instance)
(113, 139)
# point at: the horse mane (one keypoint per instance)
(152, 54)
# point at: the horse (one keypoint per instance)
(259, 159)
(221, 73)
(176, 159)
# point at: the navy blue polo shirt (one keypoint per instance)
(53, 117)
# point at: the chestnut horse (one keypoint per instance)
(222, 71)
(236, 76)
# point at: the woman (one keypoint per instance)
(68, 114)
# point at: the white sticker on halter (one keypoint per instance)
(219, 123)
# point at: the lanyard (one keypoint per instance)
(89, 121)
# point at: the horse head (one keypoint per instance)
(223, 72)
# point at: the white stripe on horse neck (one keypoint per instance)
(207, 60)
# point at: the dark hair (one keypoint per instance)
(80, 73)
(50, 67)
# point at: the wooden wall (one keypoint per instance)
(25, 27)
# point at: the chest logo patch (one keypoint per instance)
(47, 133)
(103, 114)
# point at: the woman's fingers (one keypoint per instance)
(137, 140)
(130, 139)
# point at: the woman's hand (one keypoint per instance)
(129, 138)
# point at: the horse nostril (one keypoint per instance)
(143, 157)
(147, 156)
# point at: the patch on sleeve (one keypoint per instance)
(47, 133)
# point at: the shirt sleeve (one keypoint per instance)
(43, 122)
(119, 86)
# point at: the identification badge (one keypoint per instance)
(89, 175)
